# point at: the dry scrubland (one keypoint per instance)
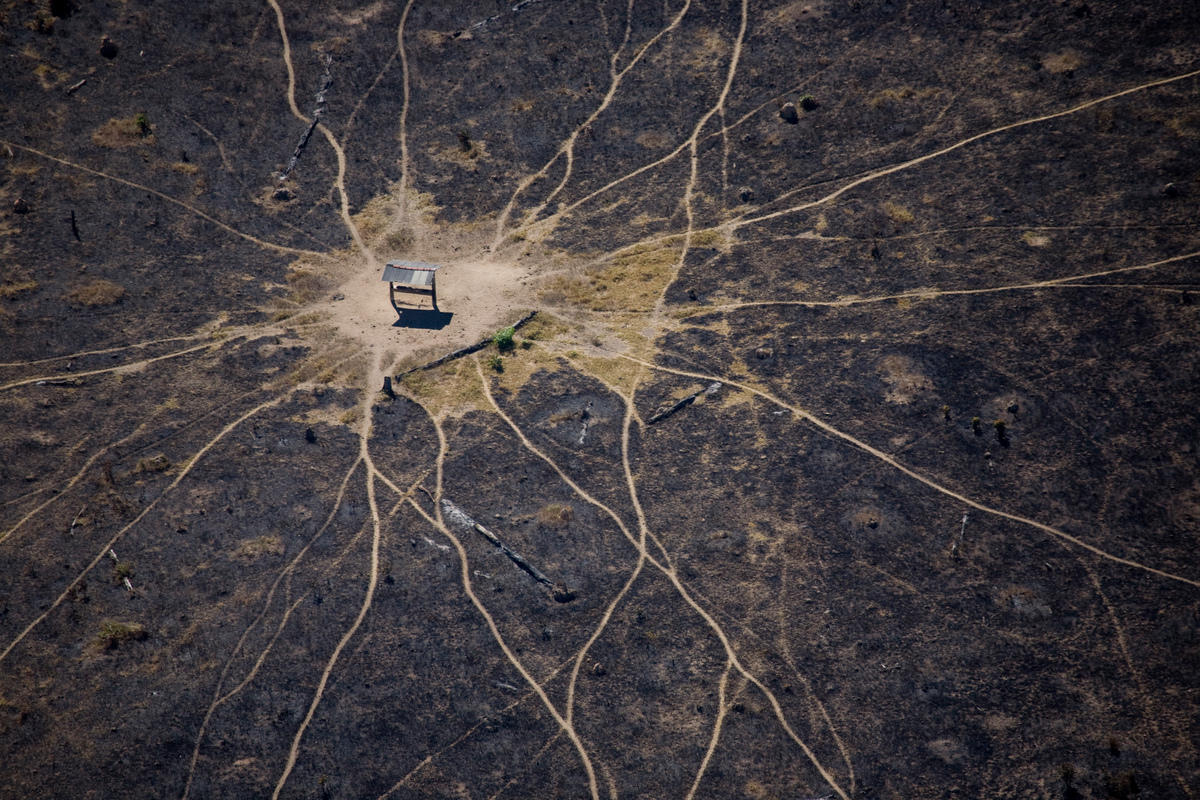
(917, 281)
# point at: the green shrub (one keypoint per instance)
(504, 338)
(807, 102)
(143, 123)
(496, 363)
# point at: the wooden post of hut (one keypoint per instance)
(414, 277)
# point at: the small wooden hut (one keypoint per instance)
(415, 277)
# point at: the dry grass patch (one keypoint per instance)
(113, 633)
(131, 132)
(269, 545)
(1062, 62)
(306, 286)
(453, 389)
(899, 214)
(887, 96)
(11, 287)
(631, 282)
(96, 293)
(556, 515)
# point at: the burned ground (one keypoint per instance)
(927, 525)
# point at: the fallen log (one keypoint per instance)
(466, 351)
(460, 517)
(684, 403)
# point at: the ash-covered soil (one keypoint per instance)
(928, 526)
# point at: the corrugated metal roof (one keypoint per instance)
(410, 273)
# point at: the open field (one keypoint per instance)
(927, 523)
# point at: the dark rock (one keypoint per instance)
(562, 594)
(789, 114)
(1171, 190)
(282, 194)
(746, 194)
(21, 207)
(598, 669)
(108, 48)
(764, 352)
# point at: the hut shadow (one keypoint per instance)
(424, 318)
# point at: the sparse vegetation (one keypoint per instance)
(113, 633)
(121, 571)
(96, 293)
(158, 463)
(503, 338)
(899, 214)
(306, 286)
(807, 102)
(977, 426)
(129, 132)
(262, 546)
(496, 362)
(10, 288)
(556, 515)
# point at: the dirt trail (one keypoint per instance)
(722, 710)
(142, 188)
(218, 698)
(917, 476)
(931, 293)
(564, 724)
(693, 144)
(195, 459)
(633, 576)
(372, 583)
(876, 174)
(671, 575)
(567, 148)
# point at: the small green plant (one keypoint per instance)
(1000, 427)
(946, 413)
(807, 102)
(526, 344)
(122, 571)
(496, 363)
(977, 426)
(143, 123)
(504, 338)
(573, 354)
(464, 141)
